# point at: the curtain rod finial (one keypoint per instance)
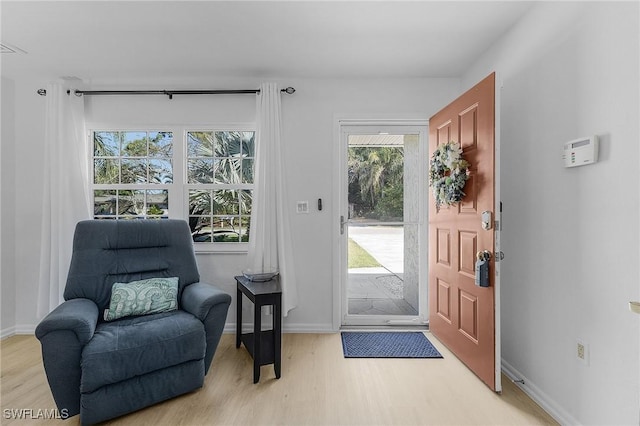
(75, 92)
(42, 92)
(289, 90)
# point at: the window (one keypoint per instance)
(132, 171)
(138, 173)
(220, 167)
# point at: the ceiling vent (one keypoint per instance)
(6, 48)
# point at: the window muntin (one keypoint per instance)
(132, 171)
(128, 203)
(220, 215)
(132, 157)
(219, 168)
(222, 157)
(139, 173)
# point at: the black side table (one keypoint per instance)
(263, 345)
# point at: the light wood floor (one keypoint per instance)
(318, 387)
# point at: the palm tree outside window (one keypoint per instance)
(220, 167)
(133, 178)
(131, 174)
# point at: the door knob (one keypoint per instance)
(483, 255)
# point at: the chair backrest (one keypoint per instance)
(110, 251)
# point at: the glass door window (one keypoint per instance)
(383, 202)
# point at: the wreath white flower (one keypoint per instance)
(448, 173)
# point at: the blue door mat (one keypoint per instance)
(387, 345)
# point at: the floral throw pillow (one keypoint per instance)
(142, 297)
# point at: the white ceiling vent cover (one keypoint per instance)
(6, 48)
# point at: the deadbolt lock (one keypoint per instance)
(486, 220)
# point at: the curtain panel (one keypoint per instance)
(270, 244)
(65, 199)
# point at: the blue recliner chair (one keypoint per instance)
(103, 369)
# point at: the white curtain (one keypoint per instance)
(270, 241)
(65, 198)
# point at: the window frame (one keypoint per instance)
(215, 247)
(178, 190)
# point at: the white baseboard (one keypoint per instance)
(25, 329)
(228, 329)
(308, 328)
(7, 332)
(286, 328)
(17, 329)
(536, 394)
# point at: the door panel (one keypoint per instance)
(443, 247)
(469, 205)
(444, 300)
(468, 244)
(462, 315)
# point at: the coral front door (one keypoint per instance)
(462, 315)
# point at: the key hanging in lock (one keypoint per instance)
(482, 268)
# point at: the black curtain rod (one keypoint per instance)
(169, 93)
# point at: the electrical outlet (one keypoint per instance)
(582, 352)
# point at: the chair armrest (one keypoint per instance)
(63, 334)
(77, 315)
(199, 298)
(210, 305)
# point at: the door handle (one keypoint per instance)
(483, 255)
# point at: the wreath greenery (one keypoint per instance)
(448, 173)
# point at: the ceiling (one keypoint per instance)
(139, 40)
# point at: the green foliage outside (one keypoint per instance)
(359, 257)
(227, 238)
(220, 157)
(227, 158)
(391, 203)
(132, 157)
(154, 210)
(376, 182)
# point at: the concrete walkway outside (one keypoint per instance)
(378, 290)
(384, 243)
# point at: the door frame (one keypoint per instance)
(498, 229)
(340, 208)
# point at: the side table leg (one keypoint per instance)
(257, 350)
(238, 318)
(277, 335)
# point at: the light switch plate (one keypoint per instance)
(302, 207)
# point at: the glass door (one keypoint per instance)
(383, 199)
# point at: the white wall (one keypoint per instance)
(25, 203)
(7, 317)
(7, 210)
(571, 236)
(309, 120)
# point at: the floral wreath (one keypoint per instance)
(448, 173)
